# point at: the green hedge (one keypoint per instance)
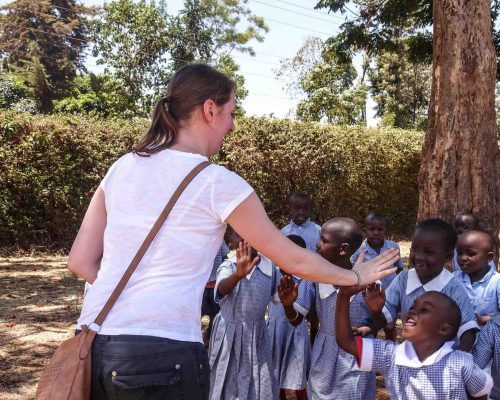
(50, 166)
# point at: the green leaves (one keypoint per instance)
(51, 165)
(133, 39)
(325, 83)
(45, 40)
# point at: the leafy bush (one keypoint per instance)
(50, 166)
(348, 170)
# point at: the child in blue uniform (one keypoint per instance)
(333, 373)
(375, 231)
(465, 222)
(424, 366)
(300, 208)
(239, 353)
(487, 350)
(290, 346)
(432, 246)
(481, 281)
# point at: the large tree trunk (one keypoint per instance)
(460, 165)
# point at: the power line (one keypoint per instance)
(293, 12)
(257, 60)
(299, 27)
(307, 8)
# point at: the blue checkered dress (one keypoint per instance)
(453, 377)
(291, 349)
(239, 354)
(487, 349)
(398, 300)
(334, 374)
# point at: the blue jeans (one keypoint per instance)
(129, 367)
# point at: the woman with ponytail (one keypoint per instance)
(150, 345)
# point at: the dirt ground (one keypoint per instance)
(39, 304)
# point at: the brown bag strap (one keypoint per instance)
(147, 242)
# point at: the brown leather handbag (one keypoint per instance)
(68, 375)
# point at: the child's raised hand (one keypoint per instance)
(288, 290)
(244, 262)
(374, 298)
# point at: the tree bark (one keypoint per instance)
(460, 168)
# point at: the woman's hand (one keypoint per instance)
(374, 298)
(244, 261)
(288, 291)
(376, 268)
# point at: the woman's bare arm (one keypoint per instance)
(251, 222)
(85, 256)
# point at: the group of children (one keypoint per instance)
(451, 321)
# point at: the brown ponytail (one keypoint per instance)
(190, 87)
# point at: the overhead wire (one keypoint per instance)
(293, 12)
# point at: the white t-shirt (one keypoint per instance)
(163, 296)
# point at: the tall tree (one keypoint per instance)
(210, 31)
(144, 45)
(205, 30)
(133, 40)
(324, 84)
(460, 168)
(401, 89)
(461, 159)
(46, 39)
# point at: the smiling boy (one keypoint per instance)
(424, 366)
(432, 246)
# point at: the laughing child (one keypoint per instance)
(424, 366)
(432, 246)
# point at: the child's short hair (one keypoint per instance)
(443, 228)
(373, 216)
(296, 196)
(298, 240)
(475, 220)
(453, 316)
(489, 237)
(347, 230)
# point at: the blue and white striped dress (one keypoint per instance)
(291, 349)
(406, 287)
(240, 353)
(487, 349)
(333, 374)
(446, 375)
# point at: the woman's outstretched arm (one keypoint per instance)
(251, 222)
